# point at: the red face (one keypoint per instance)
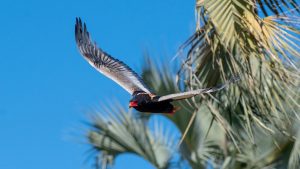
(133, 104)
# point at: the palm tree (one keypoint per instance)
(253, 124)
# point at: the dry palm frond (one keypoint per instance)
(234, 40)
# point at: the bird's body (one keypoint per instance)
(145, 102)
(143, 99)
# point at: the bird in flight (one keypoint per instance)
(142, 99)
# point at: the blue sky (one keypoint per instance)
(47, 88)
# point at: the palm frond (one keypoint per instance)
(277, 7)
(267, 7)
(234, 40)
(116, 132)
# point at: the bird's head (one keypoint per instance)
(133, 103)
(139, 100)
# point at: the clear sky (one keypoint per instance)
(46, 88)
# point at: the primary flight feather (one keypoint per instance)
(142, 98)
(104, 63)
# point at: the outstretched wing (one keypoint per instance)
(189, 94)
(104, 63)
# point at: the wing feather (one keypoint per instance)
(189, 94)
(104, 63)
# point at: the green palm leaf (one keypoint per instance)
(124, 132)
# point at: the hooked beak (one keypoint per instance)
(133, 104)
